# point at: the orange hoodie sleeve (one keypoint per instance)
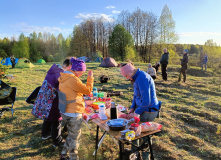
(80, 87)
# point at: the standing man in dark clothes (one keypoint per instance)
(12, 60)
(164, 62)
(184, 63)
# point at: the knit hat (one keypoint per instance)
(78, 65)
(126, 69)
(186, 50)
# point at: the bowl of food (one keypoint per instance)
(89, 102)
(117, 124)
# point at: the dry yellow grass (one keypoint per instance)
(191, 117)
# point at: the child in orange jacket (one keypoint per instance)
(72, 86)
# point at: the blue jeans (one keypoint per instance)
(204, 65)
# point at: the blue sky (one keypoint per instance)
(196, 20)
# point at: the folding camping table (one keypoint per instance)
(116, 135)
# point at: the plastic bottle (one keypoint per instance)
(95, 93)
(102, 112)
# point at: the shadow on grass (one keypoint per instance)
(191, 145)
(188, 87)
(44, 149)
(213, 106)
(198, 73)
(21, 98)
(89, 68)
(25, 108)
(31, 130)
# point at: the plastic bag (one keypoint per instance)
(150, 126)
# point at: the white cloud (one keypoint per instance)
(62, 23)
(105, 17)
(37, 29)
(199, 37)
(193, 34)
(115, 11)
(110, 7)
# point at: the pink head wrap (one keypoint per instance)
(78, 65)
(128, 68)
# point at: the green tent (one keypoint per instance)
(24, 63)
(41, 61)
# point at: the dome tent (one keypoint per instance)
(7, 61)
(41, 61)
(24, 63)
(98, 59)
(85, 59)
(108, 62)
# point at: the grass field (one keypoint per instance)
(191, 117)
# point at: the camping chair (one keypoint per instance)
(8, 96)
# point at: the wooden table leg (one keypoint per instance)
(121, 146)
(151, 151)
(96, 147)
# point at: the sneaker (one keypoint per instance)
(64, 157)
(46, 137)
(60, 145)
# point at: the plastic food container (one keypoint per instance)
(117, 124)
(89, 102)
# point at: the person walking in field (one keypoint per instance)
(164, 62)
(151, 71)
(184, 63)
(204, 61)
(73, 88)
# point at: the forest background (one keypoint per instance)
(139, 36)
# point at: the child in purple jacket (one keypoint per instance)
(52, 125)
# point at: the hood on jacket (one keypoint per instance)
(54, 69)
(65, 76)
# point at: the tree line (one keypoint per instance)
(139, 36)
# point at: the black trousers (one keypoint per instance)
(154, 77)
(164, 71)
(53, 129)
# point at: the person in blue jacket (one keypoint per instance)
(204, 61)
(145, 102)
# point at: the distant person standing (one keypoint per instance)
(204, 61)
(164, 62)
(12, 58)
(184, 63)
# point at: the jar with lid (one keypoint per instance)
(113, 111)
